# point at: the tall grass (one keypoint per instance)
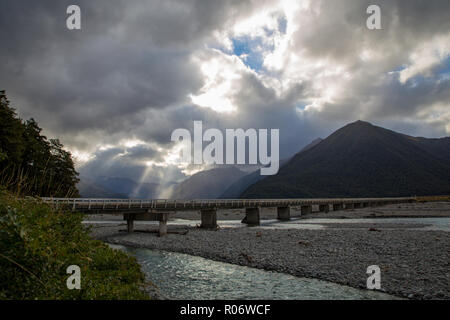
(20, 182)
(433, 198)
(38, 243)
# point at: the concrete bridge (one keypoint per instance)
(158, 210)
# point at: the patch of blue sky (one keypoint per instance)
(251, 51)
(421, 79)
(438, 73)
(443, 70)
(282, 24)
(300, 106)
(400, 68)
(269, 32)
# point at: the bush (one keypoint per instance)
(38, 243)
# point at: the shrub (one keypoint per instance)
(38, 243)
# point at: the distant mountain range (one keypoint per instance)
(209, 184)
(89, 189)
(358, 160)
(362, 160)
(238, 187)
(223, 183)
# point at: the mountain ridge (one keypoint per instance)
(361, 160)
(207, 184)
(236, 189)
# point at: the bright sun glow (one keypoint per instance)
(131, 143)
(220, 74)
(81, 157)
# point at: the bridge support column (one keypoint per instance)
(130, 223)
(349, 206)
(251, 216)
(209, 218)
(324, 208)
(306, 209)
(357, 205)
(338, 206)
(163, 217)
(284, 213)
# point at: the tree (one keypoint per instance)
(62, 171)
(31, 164)
(11, 129)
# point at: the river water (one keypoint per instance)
(182, 276)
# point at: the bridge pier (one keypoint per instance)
(324, 208)
(209, 218)
(306, 209)
(163, 217)
(251, 216)
(130, 223)
(338, 206)
(284, 213)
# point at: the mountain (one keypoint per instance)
(362, 160)
(89, 189)
(438, 147)
(129, 187)
(116, 187)
(312, 144)
(237, 188)
(208, 184)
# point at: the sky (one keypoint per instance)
(114, 91)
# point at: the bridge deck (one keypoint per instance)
(157, 209)
(124, 205)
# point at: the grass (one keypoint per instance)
(38, 243)
(432, 198)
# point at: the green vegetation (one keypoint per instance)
(433, 199)
(38, 243)
(29, 163)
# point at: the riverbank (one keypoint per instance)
(414, 262)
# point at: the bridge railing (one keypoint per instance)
(100, 204)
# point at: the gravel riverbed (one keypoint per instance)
(414, 263)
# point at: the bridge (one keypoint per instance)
(159, 209)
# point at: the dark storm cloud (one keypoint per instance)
(339, 28)
(129, 56)
(76, 80)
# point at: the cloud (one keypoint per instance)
(114, 91)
